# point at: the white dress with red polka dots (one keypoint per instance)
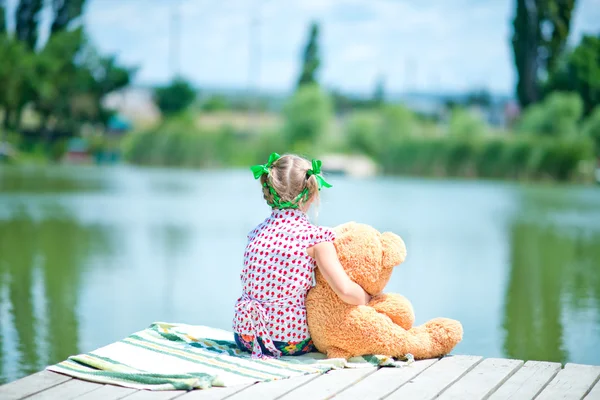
(276, 277)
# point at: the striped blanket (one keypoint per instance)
(168, 356)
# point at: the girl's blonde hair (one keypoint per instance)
(288, 178)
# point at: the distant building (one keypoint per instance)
(134, 103)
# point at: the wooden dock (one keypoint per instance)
(453, 377)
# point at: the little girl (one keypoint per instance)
(279, 261)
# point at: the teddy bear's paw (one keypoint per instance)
(395, 306)
(445, 333)
(334, 352)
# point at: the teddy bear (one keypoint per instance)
(385, 325)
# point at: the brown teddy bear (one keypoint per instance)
(384, 326)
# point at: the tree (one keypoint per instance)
(307, 115)
(579, 72)
(525, 47)
(2, 17)
(558, 13)
(16, 73)
(27, 20)
(175, 97)
(57, 77)
(379, 92)
(98, 76)
(540, 31)
(310, 59)
(481, 97)
(65, 11)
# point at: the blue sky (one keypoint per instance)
(426, 45)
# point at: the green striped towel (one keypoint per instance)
(168, 356)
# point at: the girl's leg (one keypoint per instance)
(295, 348)
(242, 343)
(246, 343)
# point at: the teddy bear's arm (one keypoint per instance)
(395, 306)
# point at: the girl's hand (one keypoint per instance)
(328, 263)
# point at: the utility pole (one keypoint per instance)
(254, 55)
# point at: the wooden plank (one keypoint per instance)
(573, 382)
(328, 384)
(594, 394)
(69, 390)
(528, 381)
(155, 394)
(482, 380)
(384, 381)
(436, 378)
(273, 389)
(108, 392)
(31, 384)
(216, 393)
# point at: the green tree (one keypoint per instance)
(65, 11)
(27, 20)
(307, 115)
(2, 17)
(98, 76)
(175, 97)
(540, 31)
(379, 92)
(310, 58)
(558, 14)
(16, 73)
(481, 98)
(580, 72)
(525, 41)
(57, 78)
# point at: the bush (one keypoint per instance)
(307, 116)
(558, 115)
(215, 103)
(465, 124)
(591, 130)
(179, 142)
(363, 133)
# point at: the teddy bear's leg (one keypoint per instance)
(366, 331)
(395, 306)
(334, 352)
(445, 334)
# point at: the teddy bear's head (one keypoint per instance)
(368, 256)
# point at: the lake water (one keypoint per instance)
(89, 255)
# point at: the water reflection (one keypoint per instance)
(553, 275)
(533, 310)
(41, 264)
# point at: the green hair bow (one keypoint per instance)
(261, 169)
(316, 171)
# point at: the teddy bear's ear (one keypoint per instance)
(394, 249)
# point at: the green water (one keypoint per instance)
(90, 255)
